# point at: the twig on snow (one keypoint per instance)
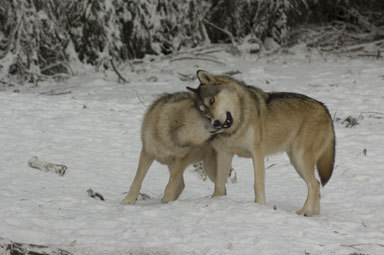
(379, 113)
(196, 58)
(144, 196)
(117, 72)
(93, 194)
(139, 97)
(11, 247)
(59, 169)
(53, 92)
(186, 77)
(361, 244)
(211, 51)
(7, 83)
(321, 54)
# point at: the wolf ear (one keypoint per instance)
(205, 77)
(195, 91)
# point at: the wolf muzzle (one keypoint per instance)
(227, 123)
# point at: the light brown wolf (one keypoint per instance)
(176, 134)
(252, 123)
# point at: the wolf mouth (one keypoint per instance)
(228, 121)
(227, 124)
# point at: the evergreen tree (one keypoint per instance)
(43, 38)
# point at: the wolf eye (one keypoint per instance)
(212, 100)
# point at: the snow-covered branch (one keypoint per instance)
(40, 39)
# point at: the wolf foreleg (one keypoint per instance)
(259, 170)
(175, 185)
(224, 163)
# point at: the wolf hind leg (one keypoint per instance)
(175, 184)
(305, 167)
(145, 162)
(180, 183)
(180, 188)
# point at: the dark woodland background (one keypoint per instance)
(41, 39)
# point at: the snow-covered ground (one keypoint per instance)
(95, 131)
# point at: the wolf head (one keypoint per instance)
(215, 99)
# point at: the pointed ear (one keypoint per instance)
(195, 91)
(205, 77)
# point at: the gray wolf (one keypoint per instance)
(252, 123)
(176, 134)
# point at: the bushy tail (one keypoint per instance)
(326, 162)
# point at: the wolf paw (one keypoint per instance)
(260, 201)
(168, 197)
(219, 193)
(307, 212)
(128, 201)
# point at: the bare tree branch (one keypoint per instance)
(230, 35)
(117, 72)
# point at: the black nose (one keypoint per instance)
(216, 124)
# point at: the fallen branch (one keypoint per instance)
(374, 115)
(211, 51)
(10, 247)
(54, 65)
(58, 76)
(44, 166)
(186, 77)
(53, 92)
(361, 244)
(362, 21)
(117, 72)
(379, 113)
(7, 83)
(345, 39)
(370, 55)
(230, 35)
(144, 196)
(139, 97)
(196, 58)
(93, 194)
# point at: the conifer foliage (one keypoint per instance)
(41, 39)
(32, 40)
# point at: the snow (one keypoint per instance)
(95, 132)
